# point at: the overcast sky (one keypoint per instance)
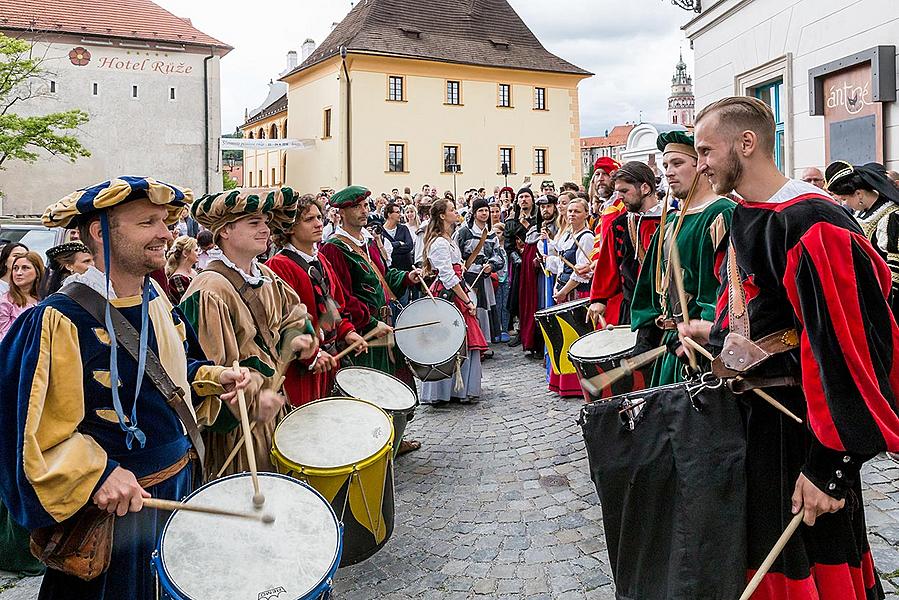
(631, 46)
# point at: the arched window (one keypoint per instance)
(284, 168)
(261, 133)
(273, 132)
(284, 129)
(252, 135)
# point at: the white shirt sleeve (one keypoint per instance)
(440, 255)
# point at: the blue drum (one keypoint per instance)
(205, 557)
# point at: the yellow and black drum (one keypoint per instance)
(562, 325)
(343, 447)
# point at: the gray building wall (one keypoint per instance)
(150, 135)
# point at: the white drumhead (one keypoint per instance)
(598, 344)
(334, 432)
(376, 387)
(435, 344)
(564, 307)
(208, 556)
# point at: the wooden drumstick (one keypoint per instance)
(674, 258)
(427, 290)
(595, 384)
(258, 498)
(602, 322)
(769, 560)
(234, 452)
(160, 504)
(760, 393)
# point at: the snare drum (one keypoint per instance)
(380, 389)
(601, 351)
(562, 325)
(343, 447)
(684, 443)
(205, 557)
(431, 352)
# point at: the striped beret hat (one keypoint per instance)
(87, 201)
(214, 211)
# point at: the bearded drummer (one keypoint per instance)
(86, 436)
(623, 246)
(809, 313)
(310, 275)
(699, 231)
(443, 258)
(367, 284)
(243, 312)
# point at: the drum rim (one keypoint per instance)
(593, 359)
(555, 308)
(165, 577)
(398, 337)
(282, 461)
(387, 410)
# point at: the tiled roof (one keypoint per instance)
(279, 105)
(130, 19)
(477, 32)
(616, 137)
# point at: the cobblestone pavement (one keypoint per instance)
(498, 503)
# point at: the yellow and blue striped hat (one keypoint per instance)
(68, 211)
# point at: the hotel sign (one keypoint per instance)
(849, 93)
(81, 57)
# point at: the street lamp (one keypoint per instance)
(694, 5)
(505, 169)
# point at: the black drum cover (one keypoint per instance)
(670, 474)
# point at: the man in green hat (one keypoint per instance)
(243, 312)
(368, 284)
(700, 230)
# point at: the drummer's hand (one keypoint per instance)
(353, 337)
(324, 363)
(698, 330)
(584, 270)
(268, 403)
(487, 269)
(415, 275)
(559, 297)
(305, 345)
(538, 260)
(596, 311)
(120, 493)
(232, 381)
(382, 329)
(812, 501)
(472, 309)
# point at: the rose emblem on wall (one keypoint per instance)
(79, 56)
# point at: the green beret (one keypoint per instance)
(676, 141)
(350, 196)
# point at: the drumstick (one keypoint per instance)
(595, 384)
(603, 323)
(760, 393)
(160, 504)
(234, 452)
(427, 291)
(416, 326)
(258, 498)
(769, 560)
(674, 258)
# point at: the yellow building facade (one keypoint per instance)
(401, 118)
(266, 167)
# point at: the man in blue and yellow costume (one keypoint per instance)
(85, 432)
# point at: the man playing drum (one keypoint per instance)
(809, 315)
(700, 232)
(243, 312)
(311, 276)
(623, 246)
(83, 425)
(367, 284)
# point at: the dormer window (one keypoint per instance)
(411, 32)
(500, 44)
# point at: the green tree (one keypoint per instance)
(21, 137)
(588, 177)
(228, 182)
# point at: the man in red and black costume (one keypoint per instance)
(804, 313)
(624, 244)
(602, 188)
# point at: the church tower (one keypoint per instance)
(681, 102)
